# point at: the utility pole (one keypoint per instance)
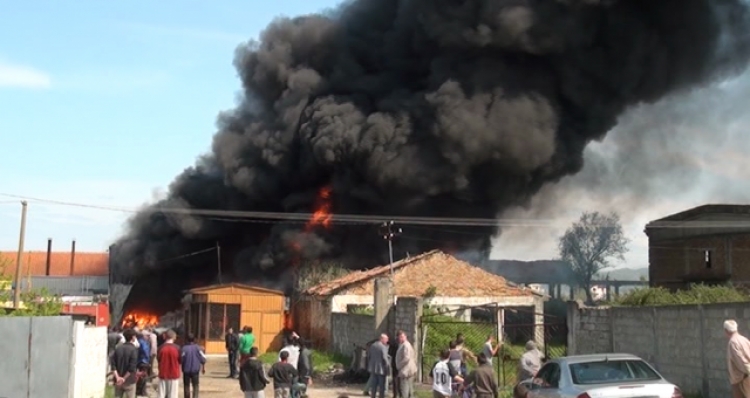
(388, 231)
(21, 239)
(218, 259)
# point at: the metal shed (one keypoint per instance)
(211, 310)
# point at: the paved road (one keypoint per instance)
(215, 384)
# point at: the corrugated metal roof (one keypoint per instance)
(68, 285)
(34, 263)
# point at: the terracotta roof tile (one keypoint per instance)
(34, 263)
(413, 276)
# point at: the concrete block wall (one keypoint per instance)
(685, 343)
(407, 317)
(589, 329)
(348, 330)
(408, 313)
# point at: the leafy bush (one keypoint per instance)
(317, 272)
(34, 302)
(698, 294)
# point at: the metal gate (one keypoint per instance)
(549, 333)
(477, 324)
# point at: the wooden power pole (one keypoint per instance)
(21, 239)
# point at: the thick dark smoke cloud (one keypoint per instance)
(443, 108)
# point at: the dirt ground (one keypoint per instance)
(215, 384)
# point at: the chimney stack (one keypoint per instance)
(49, 255)
(72, 257)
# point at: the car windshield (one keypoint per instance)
(607, 372)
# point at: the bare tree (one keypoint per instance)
(590, 243)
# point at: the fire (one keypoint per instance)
(322, 214)
(139, 319)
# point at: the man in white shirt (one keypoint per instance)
(490, 349)
(293, 349)
(443, 376)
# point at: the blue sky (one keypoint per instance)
(105, 103)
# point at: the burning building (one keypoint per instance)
(420, 108)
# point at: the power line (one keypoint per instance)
(253, 216)
(289, 216)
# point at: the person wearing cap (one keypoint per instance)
(738, 360)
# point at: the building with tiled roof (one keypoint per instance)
(442, 279)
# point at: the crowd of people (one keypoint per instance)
(396, 363)
(291, 374)
(133, 352)
(140, 356)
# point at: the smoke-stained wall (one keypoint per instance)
(423, 108)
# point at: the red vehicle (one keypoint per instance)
(99, 311)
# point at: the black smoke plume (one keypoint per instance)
(444, 108)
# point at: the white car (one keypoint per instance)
(600, 376)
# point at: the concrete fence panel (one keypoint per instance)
(14, 367)
(39, 358)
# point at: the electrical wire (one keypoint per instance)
(289, 216)
(254, 216)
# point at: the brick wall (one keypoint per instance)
(348, 330)
(672, 260)
(685, 343)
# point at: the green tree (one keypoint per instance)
(314, 273)
(589, 245)
(35, 302)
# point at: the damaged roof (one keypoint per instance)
(434, 271)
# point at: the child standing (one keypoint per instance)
(283, 375)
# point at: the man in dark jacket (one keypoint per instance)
(305, 364)
(483, 379)
(232, 344)
(253, 380)
(379, 366)
(124, 366)
(144, 359)
(193, 363)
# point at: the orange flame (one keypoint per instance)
(322, 214)
(139, 319)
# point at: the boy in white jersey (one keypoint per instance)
(443, 376)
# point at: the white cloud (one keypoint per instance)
(185, 33)
(22, 76)
(114, 80)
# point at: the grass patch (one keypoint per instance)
(698, 294)
(322, 361)
(109, 392)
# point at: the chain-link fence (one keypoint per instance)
(439, 329)
(477, 325)
(550, 339)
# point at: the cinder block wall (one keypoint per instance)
(348, 330)
(685, 343)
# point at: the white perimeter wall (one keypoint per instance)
(89, 361)
(339, 303)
